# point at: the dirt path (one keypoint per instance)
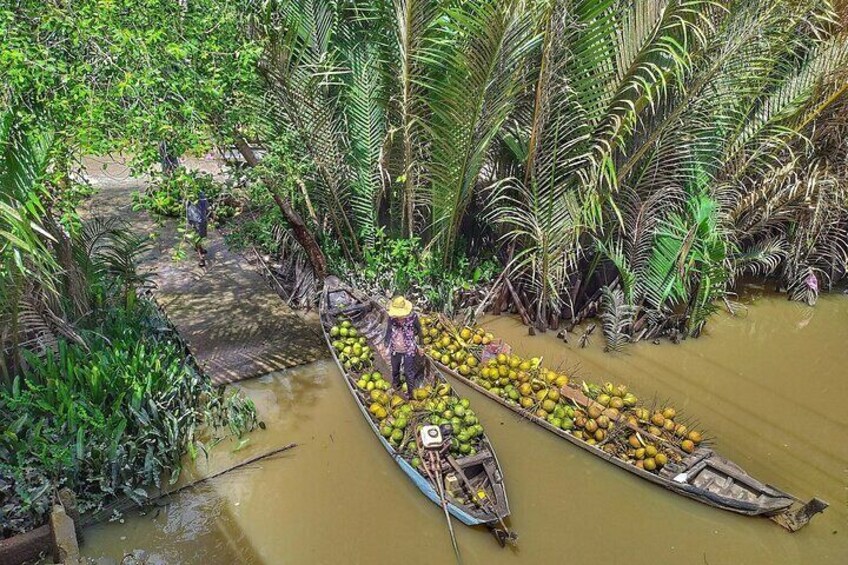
(234, 323)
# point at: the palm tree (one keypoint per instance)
(52, 279)
(660, 147)
(663, 119)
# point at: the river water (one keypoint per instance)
(770, 384)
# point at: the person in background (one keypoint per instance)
(198, 218)
(403, 335)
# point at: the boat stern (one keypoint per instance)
(796, 517)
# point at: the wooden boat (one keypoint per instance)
(703, 475)
(478, 471)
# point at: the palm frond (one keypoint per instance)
(300, 68)
(470, 102)
(617, 317)
(416, 34)
(365, 106)
(763, 258)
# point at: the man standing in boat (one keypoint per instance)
(403, 335)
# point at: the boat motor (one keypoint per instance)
(437, 438)
(431, 437)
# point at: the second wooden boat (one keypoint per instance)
(701, 475)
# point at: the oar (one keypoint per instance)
(432, 461)
(447, 514)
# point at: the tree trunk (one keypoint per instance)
(246, 151)
(300, 230)
(302, 234)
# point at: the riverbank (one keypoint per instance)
(768, 384)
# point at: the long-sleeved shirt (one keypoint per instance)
(407, 329)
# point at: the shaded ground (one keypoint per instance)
(236, 326)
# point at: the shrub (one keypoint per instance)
(401, 265)
(169, 195)
(110, 420)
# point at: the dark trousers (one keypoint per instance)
(409, 368)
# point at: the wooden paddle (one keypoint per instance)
(433, 468)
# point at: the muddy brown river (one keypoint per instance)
(771, 385)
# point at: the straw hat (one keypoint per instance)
(399, 307)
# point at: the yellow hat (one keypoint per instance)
(399, 307)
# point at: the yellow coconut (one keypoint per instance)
(695, 437)
(611, 413)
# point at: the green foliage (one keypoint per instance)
(689, 262)
(457, 74)
(401, 266)
(677, 145)
(613, 133)
(261, 231)
(97, 394)
(476, 70)
(122, 75)
(545, 227)
(617, 317)
(661, 138)
(23, 161)
(263, 225)
(170, 194)
(111, 419)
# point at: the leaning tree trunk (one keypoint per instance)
(300, 230)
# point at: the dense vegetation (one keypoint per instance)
(96, 392)
(633, 159)
(640, 157)
(630, 159)
(114, 417)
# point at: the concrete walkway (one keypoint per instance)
(236, 326)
